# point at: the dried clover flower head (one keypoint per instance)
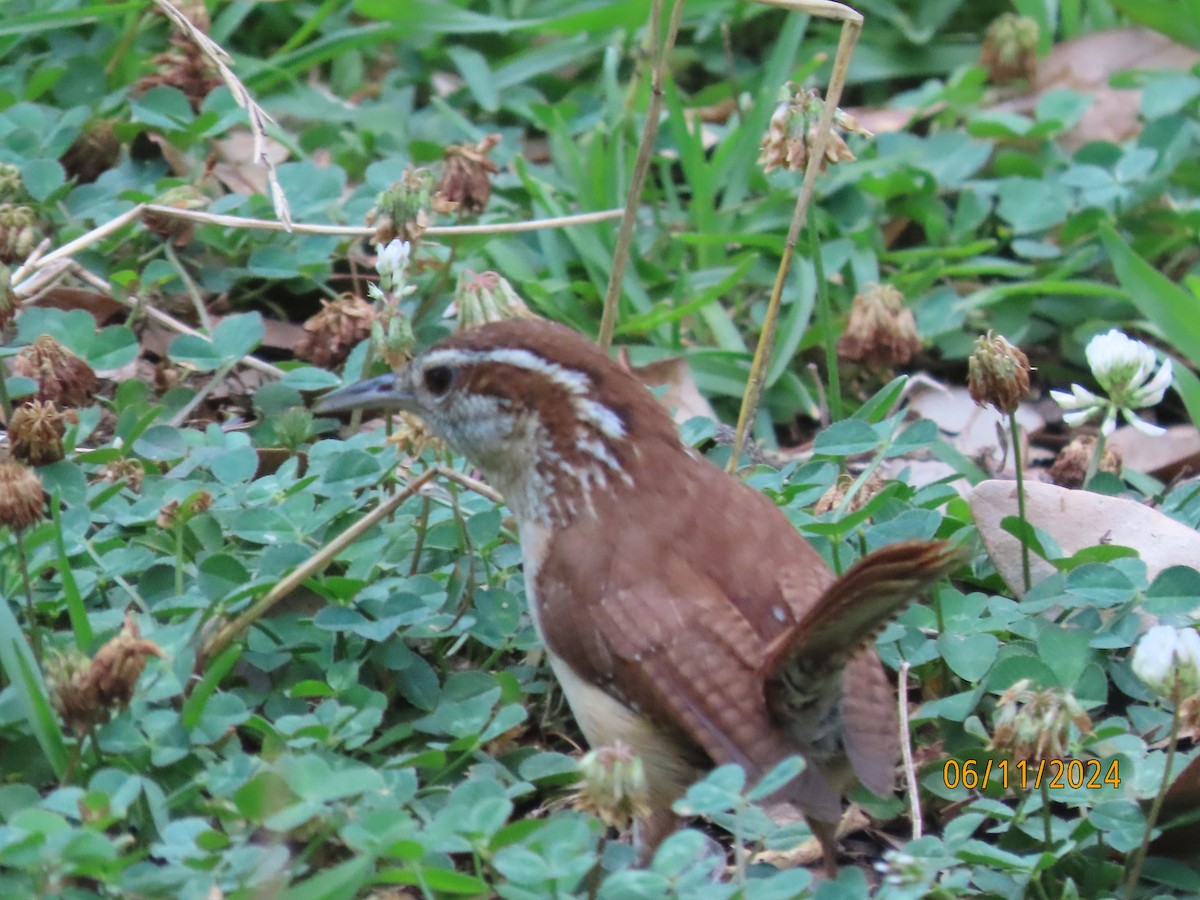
(1070, 467)
(185, 66)
(792, 133)
(613, 785)
(199, 502)
(63, 378)
(12, 188)
(998, 374)
(1009, 49)
(331, 334)
(882, 331)
(833, 497)
(85, 693)
(1036, 725)
(22, 500)
(466, 182)
(36, 432)
(168, 515)
(19, 232)
(174, 512)
(402, 211)
(410, 435)
(66, 675)
(486, 297)
(94, 152)
(128, 470)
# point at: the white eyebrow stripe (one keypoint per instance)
(574, 382)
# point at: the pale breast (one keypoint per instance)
(602, 718)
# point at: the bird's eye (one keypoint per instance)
(437, 379)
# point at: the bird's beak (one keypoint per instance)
(385, 392)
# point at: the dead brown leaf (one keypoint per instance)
(974, 430)
(238, 169)
(1077, 519)
(1165, 456)
(1087, 63)
(1084, 64)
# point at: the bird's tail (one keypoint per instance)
(825, 686)
(857, 605)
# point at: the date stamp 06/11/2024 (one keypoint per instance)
(1052, 774)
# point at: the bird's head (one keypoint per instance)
(541, 410)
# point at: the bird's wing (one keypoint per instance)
(685, 658)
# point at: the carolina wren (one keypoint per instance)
(682, 612)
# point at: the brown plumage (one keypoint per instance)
(683, 613)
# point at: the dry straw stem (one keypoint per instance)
(26, 267)
(34, 275)
(230, 631)
(165, 320)
(207, 218)
(851, 27)
(910, 769)
(258, 118)
(471, 484)
(641, 166)
(102, 231)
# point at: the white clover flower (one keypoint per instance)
(393, 258)
(392, 266)
(1123, 367)
(1164, 654)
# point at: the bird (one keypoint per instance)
(683, 614)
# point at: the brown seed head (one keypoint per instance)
(792, 132)
(1071, 465)
(466, 183)
(63, 378)
(998, 374)
(331, 334)
(199, 502)
(71, 694)
(36, 433)
(882, 332)
(94, 152)
(85, 693)
(168, 515)
(128, 470)
(833, 497)
(1036, 725)
(22, 500)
